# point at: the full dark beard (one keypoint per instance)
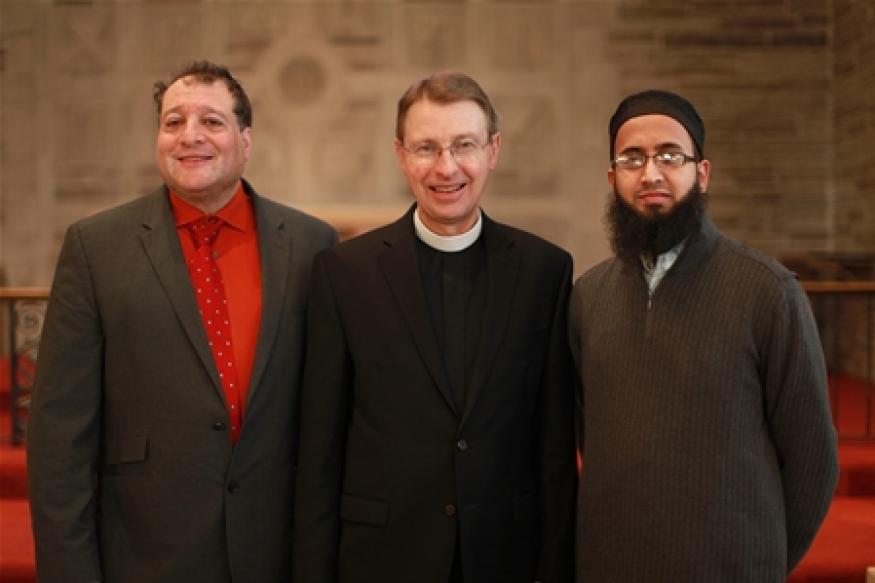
(633, 235)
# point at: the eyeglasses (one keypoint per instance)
(637, 160)
(463, 150)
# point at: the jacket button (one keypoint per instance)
(450, 510)
(462, 445)
(219, 426)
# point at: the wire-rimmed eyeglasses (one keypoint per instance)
(462, 150)
(637, 160)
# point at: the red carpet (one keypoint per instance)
(16, 542)
(848, 400)
(844, 547)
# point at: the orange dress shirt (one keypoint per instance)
(240, 264)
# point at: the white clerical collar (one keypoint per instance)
(447, 243)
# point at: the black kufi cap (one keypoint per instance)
(659, 102)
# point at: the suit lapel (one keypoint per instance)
(502, 266)
(161, 244)
(274, 244)
(401, 269)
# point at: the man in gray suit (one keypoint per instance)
(162, 435)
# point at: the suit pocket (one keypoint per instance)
(127, 455)
(525, 507)
(364, 510)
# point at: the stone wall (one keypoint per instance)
(854, 206)
(77, 126)
(760, 74)
(854, 95)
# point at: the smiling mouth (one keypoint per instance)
(194, 158)
(447, 189)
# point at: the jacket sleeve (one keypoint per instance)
(799, 420)
(63, 444)
(325, 405)
(557, 447)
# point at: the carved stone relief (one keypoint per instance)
(530, 155)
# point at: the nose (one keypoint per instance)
(191, 132)
(445, 164)
(651, 173)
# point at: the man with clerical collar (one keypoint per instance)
(437, 436)
(709, 453)
(163, 428)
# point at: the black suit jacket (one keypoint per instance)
(390, 471)
(132, 475)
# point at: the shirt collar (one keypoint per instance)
(655, 271)
(665, 260)
(237, 213)
(447, 243)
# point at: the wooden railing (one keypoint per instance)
(23, 312)
(845, 313)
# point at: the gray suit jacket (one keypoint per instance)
(132, 475)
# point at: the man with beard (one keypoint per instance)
(709, 451)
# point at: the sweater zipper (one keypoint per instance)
(648, 315)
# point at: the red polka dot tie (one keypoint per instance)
(212, 303)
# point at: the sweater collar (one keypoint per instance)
(699, 247)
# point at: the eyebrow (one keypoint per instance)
(659, 147)
(206, 110)
(463, 136)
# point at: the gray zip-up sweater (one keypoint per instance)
(709, 450)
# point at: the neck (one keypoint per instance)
(209, 202)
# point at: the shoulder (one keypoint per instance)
(744, 264)
(299, 221)
(596, 276)
(291, 215)
(122, 215)
(602, 282)
(528, 243)
(376, 241)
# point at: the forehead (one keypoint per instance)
(189, 92)
(428, 120)
(651, 131)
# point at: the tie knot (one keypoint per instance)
(205, 230)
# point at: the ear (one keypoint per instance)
(496, 147)
(246, 136)
(703, 174)
(612, 177)
(399, 152)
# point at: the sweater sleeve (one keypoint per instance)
(799, 419)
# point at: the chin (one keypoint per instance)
(652, 212)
